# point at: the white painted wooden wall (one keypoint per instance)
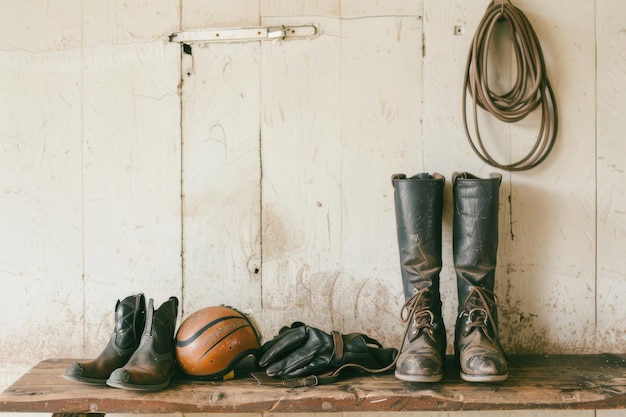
(258, 174)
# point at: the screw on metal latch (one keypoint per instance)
(459, 30)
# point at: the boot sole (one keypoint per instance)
(484, 378)
(419, 378)
(122, 385)
(90, 381)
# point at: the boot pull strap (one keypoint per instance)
(397, 177)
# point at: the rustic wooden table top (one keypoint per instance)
(540, 382)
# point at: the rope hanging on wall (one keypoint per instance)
(531, 89)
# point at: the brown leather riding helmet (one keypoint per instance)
(211, 341)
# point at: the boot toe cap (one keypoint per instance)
(484, 367)
(78, 372)
(118, 377)
(419, 368)
(74, 372)
(74, 369)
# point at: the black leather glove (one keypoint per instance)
(301, 350)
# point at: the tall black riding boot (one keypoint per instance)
(152, 365)
(475, 247)
(418, 204)
(130, 317)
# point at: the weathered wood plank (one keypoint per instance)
(300, 151)
(41, 206)
(203, 14)
(541, 382)
(131, 180)
(90, 120)
(354, 126)
(611, 181)
(380, 135)
(126, 21)
(221, 177)
(548, 257)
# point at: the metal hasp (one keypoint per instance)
(245, 34)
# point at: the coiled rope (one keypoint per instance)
(531, 89)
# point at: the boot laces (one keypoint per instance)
(417, 314)
(477, 307)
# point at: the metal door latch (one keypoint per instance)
(245, 34)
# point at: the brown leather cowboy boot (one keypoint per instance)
(152, 365)
(130, 317)
(418, 206)
(475, 246)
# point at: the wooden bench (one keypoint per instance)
(540, 382)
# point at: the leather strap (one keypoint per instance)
(338, 342)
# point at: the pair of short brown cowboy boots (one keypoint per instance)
(140, 353)
(418, 207)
